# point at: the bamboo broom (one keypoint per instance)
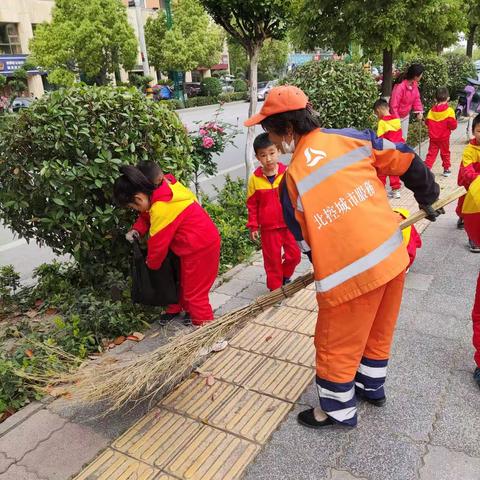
(154, 372)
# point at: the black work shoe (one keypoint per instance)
(166, 317)
(476, 376)
(286, 280)
(307, 419)
(378, 402)
(473, 247)
(460, 224)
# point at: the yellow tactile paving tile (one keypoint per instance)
(198, 400)
(212, 455)
(232, 365)
(259, 339)
(112, 465)
(273, 342)
(250, 415)
(158, 437)
(307, 325)
(305, 299)
(285, 318)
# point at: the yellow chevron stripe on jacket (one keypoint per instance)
(261, 183)
(385, 126)
(471, 203)
(440, 116)
(163, 214)
(406, 232)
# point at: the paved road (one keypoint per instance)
(25, 257)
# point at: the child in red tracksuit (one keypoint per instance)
(469, 210)
(177, 222)
(411, 238)
(440, 122)
(389, 127)
(265, 215)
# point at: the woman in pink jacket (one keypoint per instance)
(406, 96)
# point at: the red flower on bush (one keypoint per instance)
(208, 142)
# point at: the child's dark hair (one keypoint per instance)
(380, 104)
(131, 182)
(302, 121)
(261, 141)
(442, 94)
(150, 169)
(476, 121)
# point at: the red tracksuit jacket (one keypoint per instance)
(390, 127)
(176, 221)
(263, 201)
(441, 121)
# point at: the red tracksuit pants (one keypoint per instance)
(476, 323)
(435, 145)
(197, 274)
(278, 266)
(395, 183)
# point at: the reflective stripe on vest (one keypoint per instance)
(332, 167)
(361, 265)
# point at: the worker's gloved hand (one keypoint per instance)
(132, 235)
(432, 214)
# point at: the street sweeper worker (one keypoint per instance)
(337, 210)
(177, 222)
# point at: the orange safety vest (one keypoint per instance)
(346, 220)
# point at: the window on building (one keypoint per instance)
(9, 39)
(196, 76)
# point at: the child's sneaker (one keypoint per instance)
(396, 194)
(286, 280)
(476, 376)
(473, 247)
(460, 224)
(446, 173)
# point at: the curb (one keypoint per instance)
(204, 107)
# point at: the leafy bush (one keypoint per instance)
(9, 283)
(211, 87)
(233, 97)
(240, 85)
(459, 68)
(229, 213)
(434, 76)
(200, 101)
(60, 157)
(343, 94)
(172, 104)
(140, 81)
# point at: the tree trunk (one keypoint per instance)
(387, 73)
(471, 41)
(253, 56)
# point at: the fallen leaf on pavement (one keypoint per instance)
(132, 338)
(210, 380)
(51, 311)
(267, 339)
(119, 340)
(139, 335)
(29, 353)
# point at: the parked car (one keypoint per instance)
(21, 102)
(192, 89)
(264, 87)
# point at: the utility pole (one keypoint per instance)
(177, 84)
(141, 38)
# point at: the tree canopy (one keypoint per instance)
(193, 41)
(386, 26)
(88, 36)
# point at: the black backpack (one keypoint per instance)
(154, 287)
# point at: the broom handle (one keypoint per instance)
(441, 202)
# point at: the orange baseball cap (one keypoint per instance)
(280, 99)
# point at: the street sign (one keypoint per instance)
(10, 63)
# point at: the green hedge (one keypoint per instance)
(459, 68)
(211, 87)
(233, 97)
(59, 160)
(343, 94)
(240, 85)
